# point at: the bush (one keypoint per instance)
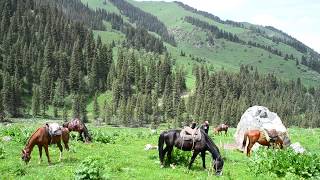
(20, 135)
(2, 152)
(285, 162)
(89, 169)
(180, 157)
(103, 137)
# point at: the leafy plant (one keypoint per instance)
(103, 137)
(285, 162)
(180, 157)
(89, 169)
(2, 152)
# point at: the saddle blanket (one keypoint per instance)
(54, 129)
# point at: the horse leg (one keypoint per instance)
(169, 154)
(80, 136)
(203, 155)
(162, 155)
(40, 153)
(47, 152)
(61, 149)
(194, 155)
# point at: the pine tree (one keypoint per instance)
(75, 67)
(35, 101)
(2, 114)
(44, 90)
(96, 108)
(76, 106)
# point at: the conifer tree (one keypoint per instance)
(35, 101)
(96, 108)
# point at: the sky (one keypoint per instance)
(298, 18)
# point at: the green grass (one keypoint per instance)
(126, 157)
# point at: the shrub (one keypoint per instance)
(89, 169)
(180, 157)
(285, 162)
(102, 137)
(2, 152)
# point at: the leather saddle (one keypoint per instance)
(187, 134)
(54, 129)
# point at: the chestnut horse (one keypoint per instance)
(41, 138)
(220, 128)
(259, 137)
(78, 126)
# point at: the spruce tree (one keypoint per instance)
(96, 108)
(35, 101)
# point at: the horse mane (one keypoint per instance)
(33, 135)
(211, 144)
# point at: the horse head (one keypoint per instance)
(218, 165)
(25, 156)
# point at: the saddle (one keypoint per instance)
(270, 135)
(187, 134)
(54, 129)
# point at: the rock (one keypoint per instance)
(149, 147)
(6, 138)
(297, 148)
(259, 117)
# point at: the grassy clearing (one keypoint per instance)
(125, 158)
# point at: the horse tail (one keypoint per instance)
(160, 146)
(244, 140)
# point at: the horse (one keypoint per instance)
(78, 126)
(259, 137)
(172, 138)
(221, 127)
(41, 138)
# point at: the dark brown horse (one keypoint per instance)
(41, 138)
(258, 136)
(220, 128)
(172, 138)
(78, 126)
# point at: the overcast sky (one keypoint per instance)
(298, 18)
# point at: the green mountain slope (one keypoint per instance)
(193, 41)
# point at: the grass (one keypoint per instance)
(126, 157)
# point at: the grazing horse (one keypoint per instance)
(259, 137)
(220, 128)
(41, 138)
(172, 138)
(78, 126)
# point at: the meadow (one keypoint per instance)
(118, 153)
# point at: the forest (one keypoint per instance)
(51, 66)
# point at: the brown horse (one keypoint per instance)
(78, 126)
(41, 138)
(220, 128)
(259, 137)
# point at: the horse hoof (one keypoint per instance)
(162, 166)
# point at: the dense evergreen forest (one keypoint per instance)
(51, 65)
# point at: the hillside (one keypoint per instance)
(263, 47)
(129, 64)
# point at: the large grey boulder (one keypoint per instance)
(259, 117)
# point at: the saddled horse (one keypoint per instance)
(260, 137)
(220, 128)
(172, 138)
(78, 126)
(41, 138)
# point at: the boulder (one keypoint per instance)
(259, 117)
(297, 148)
(6, 138)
